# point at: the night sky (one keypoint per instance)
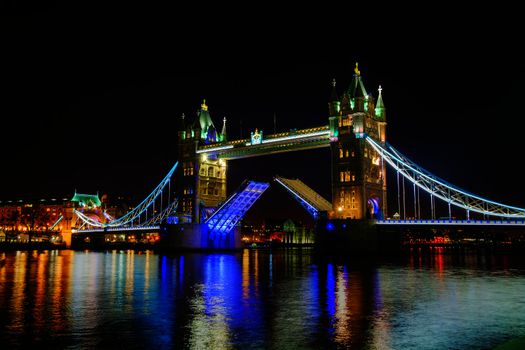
(91, 97)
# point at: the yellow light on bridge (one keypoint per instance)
(340, 209)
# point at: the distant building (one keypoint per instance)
(287, 232)
(55, 215)
(297, 234)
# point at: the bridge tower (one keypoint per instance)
(203, 184)
(358, 172)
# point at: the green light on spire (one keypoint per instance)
(380, 106)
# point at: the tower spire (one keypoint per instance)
(333, 96)
(182, 122)
(357, 88)
(380, 106)
(223, 132)
(207, 129)
(334, 105)
(358, 97)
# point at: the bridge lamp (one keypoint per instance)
(340, 209)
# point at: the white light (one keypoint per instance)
(300, 136)
(208, 150)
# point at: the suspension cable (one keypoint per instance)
(441, 189)
(415, 204)
(404, 206)
(398, 196)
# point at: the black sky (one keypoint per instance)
(91, 97)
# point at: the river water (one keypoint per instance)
(284, 299)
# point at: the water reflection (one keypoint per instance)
(259, 299)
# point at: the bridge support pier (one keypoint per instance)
(66, 237)
(197, 237)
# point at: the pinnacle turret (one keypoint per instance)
(334, 104)
(224, 136)
(380, 110)
(357, 92)
(207, 129)
(357, 88)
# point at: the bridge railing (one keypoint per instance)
(452, 222)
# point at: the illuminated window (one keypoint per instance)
(353, 153)
(346, 153)
(210, 171)
(340, 153)
(342, 176)
(353, 177)
(347, 176)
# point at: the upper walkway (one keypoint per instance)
(293, 140)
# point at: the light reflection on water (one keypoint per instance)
(259, 299)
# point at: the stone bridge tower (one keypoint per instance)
(358, 173)
(203, 184)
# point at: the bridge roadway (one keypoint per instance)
(508, 223)
(118, 229)
(422, 222)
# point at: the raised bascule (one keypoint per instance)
(199, 214)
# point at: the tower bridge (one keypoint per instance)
(358, 174)
(203, 216)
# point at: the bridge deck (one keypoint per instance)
(224, 219)
(311, 200)
(450, 222)
(118, 229)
